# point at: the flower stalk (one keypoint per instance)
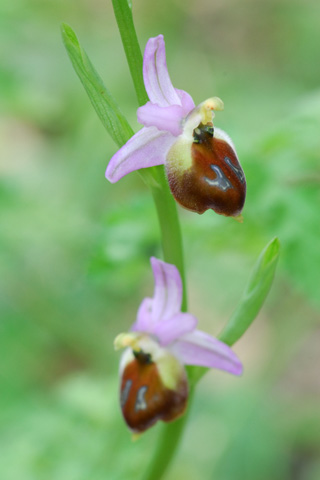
(168, 443)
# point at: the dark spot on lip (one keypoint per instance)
(209, 129)
(142, 357)
(203, 133)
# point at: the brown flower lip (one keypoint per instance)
(145, 400)
(214, 180)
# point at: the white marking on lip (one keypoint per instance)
(141, 404)
(237, 170)
(220, 181)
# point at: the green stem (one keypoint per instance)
(123, 14)
(171, 238)
(168, 443)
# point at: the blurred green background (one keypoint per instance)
(74, 250)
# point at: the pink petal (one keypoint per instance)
(164, 118)
(186, 102)
(167, 296)
(144, 317)
(199, 348)
(165, 305)
(155, 74)
(147, 148)
(169, 330)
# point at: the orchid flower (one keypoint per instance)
(201, 163)
(163, 339)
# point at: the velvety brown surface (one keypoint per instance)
(144, 399)
(215, 180)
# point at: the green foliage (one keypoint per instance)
(73, 433)
(254, 295)
(104, 104)
(286, 194)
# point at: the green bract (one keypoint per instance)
(106, 107)
(254, 295)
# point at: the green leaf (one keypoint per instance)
(106, 107)
(254, 295)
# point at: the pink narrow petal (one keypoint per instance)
(164, 118)
(172, 328)
(164, 306)
(186, 101)
(155, 74)
(144, 317)
(147, 148)
(199, 348)
(167, 296)
(160, 315)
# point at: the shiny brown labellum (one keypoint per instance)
(215, 179)
(144, 399)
